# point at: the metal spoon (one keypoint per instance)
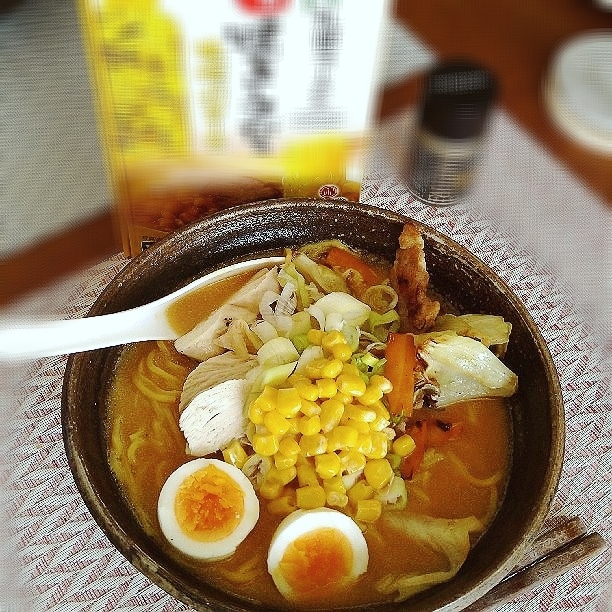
(19, 340)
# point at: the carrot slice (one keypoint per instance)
(411, 463)
(399, 369)
(345, 260)
(427, 433)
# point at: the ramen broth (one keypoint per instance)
(464, 477)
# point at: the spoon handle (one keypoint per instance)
(46, 338)
(147, 322)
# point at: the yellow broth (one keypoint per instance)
(146, 446)
(184, 314)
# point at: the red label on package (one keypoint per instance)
(264, 7)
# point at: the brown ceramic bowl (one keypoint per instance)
(264, 228)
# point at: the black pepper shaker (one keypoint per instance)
(449, 133)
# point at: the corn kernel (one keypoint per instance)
(271, 489)
(293, 426)
(297, 378)
(352, 460)
(306, 474)
(350, 369)
(379, 423)
(359, 491)
(331, 338)
(364, 443)
(310, 497)
(289, 447)
(342, 352)
(331, 413)
(255, 413)
(315, 336)
(332, 368)
(288, 402)
(335, 483)
(267, 398)
(380, 445)
(307, 390)
(312, 445)
(327, 387)
(343, 397)
(360, 414)
(284, 461)
(342, 437)
(314, 368)
(265, 444)
(382, 417)
(335, 499)
(276, 422)
(361, 426)
(351, 385)
(283, 505)
(368, 510)
(381, 409)
(378, 473)
(371, 394)
(235, 454)
(327, 465)
(384, 384)
(404, 445)
(308, 426)
(310, 408)
(284, 475)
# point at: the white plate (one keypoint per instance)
(578, 90)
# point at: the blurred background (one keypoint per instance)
(55, 197)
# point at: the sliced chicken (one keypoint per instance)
(214, 417)
(214, 371)
(200, 343)
(410, 279)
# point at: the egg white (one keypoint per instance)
(301, 522)
(180, 539)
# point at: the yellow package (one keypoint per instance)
(205, 104)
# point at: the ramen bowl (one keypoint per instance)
(266, 228)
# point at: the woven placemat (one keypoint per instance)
(66, 563)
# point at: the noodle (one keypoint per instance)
(153, 391)
(247, 572)
(137, 440)
(477, 482)
(168, 377)
(178, 370)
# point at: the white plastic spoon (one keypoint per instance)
(19, 340)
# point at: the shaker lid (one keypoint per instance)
(457, 97)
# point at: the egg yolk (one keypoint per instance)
(209, 504)
(316, 560)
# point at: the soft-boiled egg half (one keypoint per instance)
(206, 508)
(314, 553)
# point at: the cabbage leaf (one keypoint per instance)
(448, 537)
(463, 368)
(491, 330)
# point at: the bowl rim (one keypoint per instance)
(140, 558)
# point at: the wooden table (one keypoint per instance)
(515, 38)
